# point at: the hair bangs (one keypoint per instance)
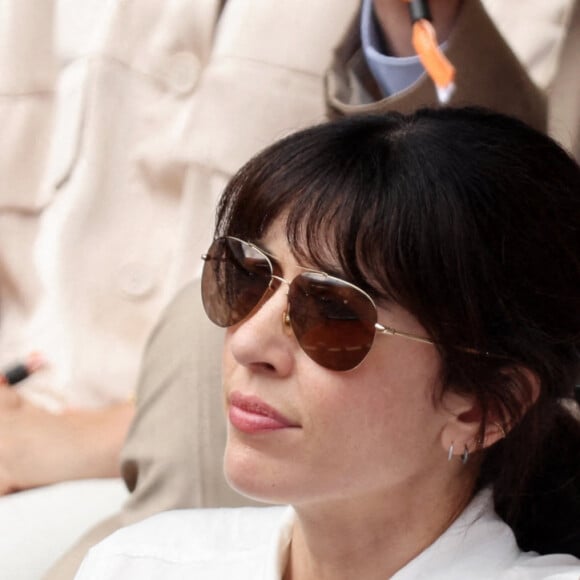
(334, 197)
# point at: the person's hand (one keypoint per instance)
(39, 448)
(393, 17)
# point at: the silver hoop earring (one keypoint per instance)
(450, 453)
(465, 455)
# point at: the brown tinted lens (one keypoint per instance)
(333, 321)
(235, 277)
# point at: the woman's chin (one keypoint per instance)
(252, 479)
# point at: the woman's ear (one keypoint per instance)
(464, 414)
(462, 427)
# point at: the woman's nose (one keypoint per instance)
(263, 341)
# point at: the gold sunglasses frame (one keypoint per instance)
(380, 329)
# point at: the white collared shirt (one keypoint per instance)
(253, 544)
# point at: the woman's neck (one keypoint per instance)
(369, 538)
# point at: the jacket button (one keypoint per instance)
(182, 71)
(135, 280)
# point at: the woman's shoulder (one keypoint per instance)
(189, 538)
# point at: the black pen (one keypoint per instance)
(20, 371)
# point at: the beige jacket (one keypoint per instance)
(266, 73)
(112, 163)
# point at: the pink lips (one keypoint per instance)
(251, 415)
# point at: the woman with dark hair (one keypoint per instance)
(402, 297)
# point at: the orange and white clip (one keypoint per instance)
(424, 40)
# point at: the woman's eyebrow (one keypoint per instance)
(263, 248)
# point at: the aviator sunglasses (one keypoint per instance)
(334, 321)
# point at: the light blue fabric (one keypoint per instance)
(393, 74)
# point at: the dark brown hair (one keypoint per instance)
(471, 221)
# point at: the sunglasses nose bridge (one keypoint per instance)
(286, 320)
(276, 282)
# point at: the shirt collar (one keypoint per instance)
(279, 547)
(478, 544)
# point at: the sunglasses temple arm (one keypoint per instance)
(392, 332)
